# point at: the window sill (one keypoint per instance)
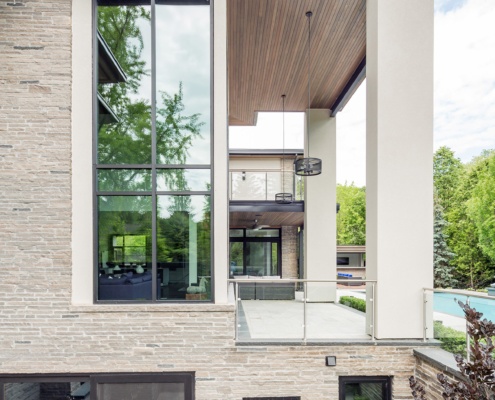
(151, 308)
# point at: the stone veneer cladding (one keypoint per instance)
(289, 252)
(40, 331)
(426, 373)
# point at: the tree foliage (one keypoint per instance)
(446, 174)
(472, 267)
(351, 219)
(481, 205)
(443, 270)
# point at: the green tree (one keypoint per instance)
(443, 270)
(472, 267)
(351, 219)
(481, 205)
(446, 174)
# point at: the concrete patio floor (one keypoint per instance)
(284, 319)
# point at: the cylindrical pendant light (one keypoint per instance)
(308, 166)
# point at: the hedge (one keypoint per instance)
(353, 302)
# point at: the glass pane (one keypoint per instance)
(148, 391)
(274, 185)
(259, 259)
(248, 186)
(236, 258)
(46, 391)
(236, 232)
(183, 179)
(364, 391)
(124, 85)
(274, 265)
(124, 247)
(262, 233)
(183, 84)
(124, 180)
(299, 195)
(183, 247)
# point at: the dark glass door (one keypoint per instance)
(261, 258)
(255, 252)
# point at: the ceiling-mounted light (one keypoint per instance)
(308, 166)
(283, 197)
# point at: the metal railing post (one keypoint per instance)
(372, 300)
(236, 294)
(304, 310)
(424, 315)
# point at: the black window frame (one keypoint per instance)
(154, 193)
(244, 239)
(187, 378)
(273, 398)
(386, 382)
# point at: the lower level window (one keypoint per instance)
(365, 388)
(171, 386)
(272, 398)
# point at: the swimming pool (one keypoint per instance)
(447, 303)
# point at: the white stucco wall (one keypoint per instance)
(399, 152)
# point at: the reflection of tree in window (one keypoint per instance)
(125, 161)
(127, 141)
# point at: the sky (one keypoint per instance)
(464, 96)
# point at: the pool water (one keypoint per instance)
(447, 303)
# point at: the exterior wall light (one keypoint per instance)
(330, 361)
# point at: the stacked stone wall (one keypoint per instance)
(426, 374)
(289, 252)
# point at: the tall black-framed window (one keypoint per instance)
(121, 386)
(365, 387)
(255, 252)
(152, 151)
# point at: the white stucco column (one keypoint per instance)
(399, 151)
(82, 147)
(320, 249)
(220, 210)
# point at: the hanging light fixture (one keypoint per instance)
(283, 198)
(308, 166)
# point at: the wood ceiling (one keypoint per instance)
(268, 53)
(272, 219)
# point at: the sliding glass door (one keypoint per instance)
(255, 252)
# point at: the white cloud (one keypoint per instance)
(465, 78)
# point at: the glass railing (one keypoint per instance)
(300, 310)
(444, 318)
(263, 185)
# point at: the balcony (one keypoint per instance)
(259, 185)
(280, 310)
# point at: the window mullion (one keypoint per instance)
(154, 294)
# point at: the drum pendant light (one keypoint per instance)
(308, 166)
(283, 198)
